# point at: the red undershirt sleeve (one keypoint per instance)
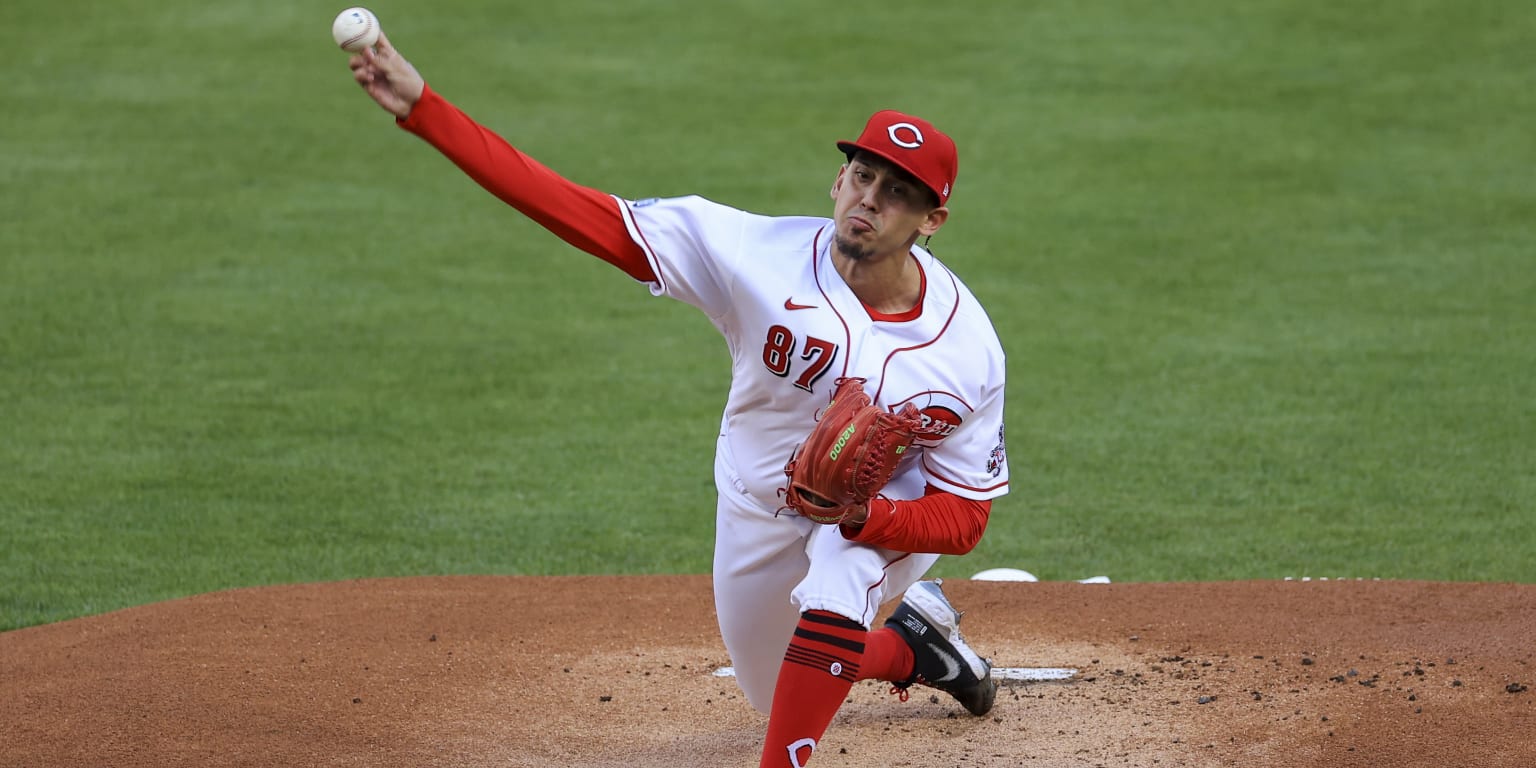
(940, 522)
(584, 217)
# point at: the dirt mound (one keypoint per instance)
(626, 671)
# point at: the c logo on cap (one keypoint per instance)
(916, 140)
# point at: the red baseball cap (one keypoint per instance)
(912, 144)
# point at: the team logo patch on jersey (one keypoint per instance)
(941, 414)
(938, 423)
(999, 455)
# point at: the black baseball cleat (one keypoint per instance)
(931, 627)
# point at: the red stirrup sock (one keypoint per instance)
(818, 671)
(886, 657)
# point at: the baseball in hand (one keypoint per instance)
(355, 29)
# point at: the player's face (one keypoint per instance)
(879, 209)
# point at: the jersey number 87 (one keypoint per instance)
(779, 353)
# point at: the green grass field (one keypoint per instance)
(1266, 275)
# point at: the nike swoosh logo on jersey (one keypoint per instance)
(951, 664)
(790, 305)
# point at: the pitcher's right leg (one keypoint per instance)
(759, 558)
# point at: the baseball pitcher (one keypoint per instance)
(863, 433)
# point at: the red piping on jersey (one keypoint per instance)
(947, 321)
(649, 252)
(916, 395)
(872, 605)
(816, 271)
(941, 476)
(848, 333)
(584, 217)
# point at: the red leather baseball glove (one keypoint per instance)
(849, 456)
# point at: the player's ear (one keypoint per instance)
(838, 182)
(933, 221)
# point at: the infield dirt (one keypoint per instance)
(620, 671)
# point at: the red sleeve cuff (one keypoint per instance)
(428, 102)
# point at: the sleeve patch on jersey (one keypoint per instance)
(647, 201)
(999, 455)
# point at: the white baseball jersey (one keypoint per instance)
(794, 327)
